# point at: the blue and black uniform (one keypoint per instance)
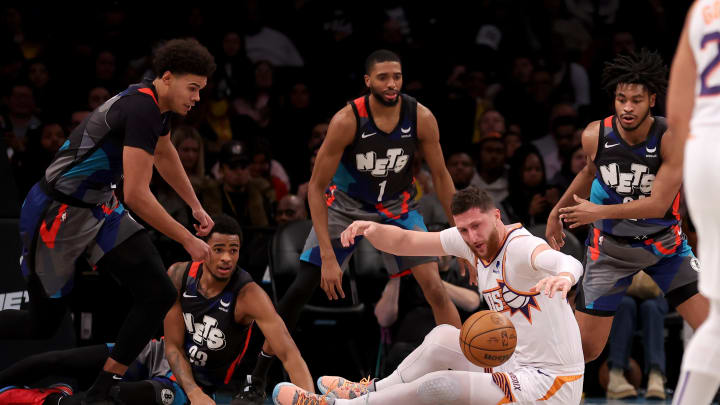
(72, 213)
(374, 182)
(618, 248)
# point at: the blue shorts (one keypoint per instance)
(343, 210)
(54, 235)
(611, 263)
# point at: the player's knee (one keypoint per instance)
(443, 335)
(438, 388)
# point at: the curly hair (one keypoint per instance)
(644, 67)
(181, 56)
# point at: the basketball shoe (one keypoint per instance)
(339, 387)
(290, 394)
(13, 395)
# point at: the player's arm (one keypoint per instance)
(683, 75)
(429, 138)
(580, 186)
(665, 188)
(341, 133)
(559, 271)
(174, 327)
(387, 307)
(254, 304)
(394, 240)
(468, 300)
(137, 170)
(168, 165)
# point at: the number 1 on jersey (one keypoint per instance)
(382, 190)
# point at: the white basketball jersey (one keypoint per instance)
(547, 333)
(704, 38)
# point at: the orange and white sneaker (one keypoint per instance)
(339, 387)
(291, 394)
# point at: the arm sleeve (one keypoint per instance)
(143, 123)
(454, 245)
(553, 262)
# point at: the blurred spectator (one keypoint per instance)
(573, 161)
(237, 195)
(29, 165)
(461, 168)
(20, 117)
(47, 97)
(645, 300)
(317, 135)
(513, 140)
(266, 44)
(562, 139)
(234, 68)
(76, 118)
(491, 174)
(290, 208)
(262, 166)
(303, 188)
(490, 121)
(570, 80)
(258, 100)
(191, 151)
(96, 97)
(106, 72)
(529, 200)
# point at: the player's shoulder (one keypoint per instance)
(592, 129)
(344, 118)
(176, 271)
(424, 112)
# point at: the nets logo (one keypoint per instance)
(206, 332)
(627, 183)
(380, 167)
(13, 300)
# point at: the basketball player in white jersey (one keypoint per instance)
(520, 276)
(694, 115)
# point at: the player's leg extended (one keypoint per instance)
(444, 311)
(439, 387)
(594, 331)
(83, 363)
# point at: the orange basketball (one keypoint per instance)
(488, 339)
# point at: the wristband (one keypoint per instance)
(568, 279)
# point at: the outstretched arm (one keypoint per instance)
(394, 240)
(254, 304)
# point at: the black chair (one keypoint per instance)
(320, 317)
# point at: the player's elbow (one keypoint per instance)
(385, 318)
(133, 196)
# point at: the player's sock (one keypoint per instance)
(262, 367)
(699, 377)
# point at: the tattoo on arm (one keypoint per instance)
(176, 272)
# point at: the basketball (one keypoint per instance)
(488, 339)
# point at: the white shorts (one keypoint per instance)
(702, 191)
(530, 385)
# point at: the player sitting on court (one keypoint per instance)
(519, 275)
(206, 333)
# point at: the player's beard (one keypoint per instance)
(379, 97)
(619, 120)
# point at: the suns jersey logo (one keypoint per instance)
(504, 299)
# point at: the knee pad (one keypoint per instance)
(155, 392)
(438, 388)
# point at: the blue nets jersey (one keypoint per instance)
(377, 166)
(626, 173)
(88, 166)
(214, 342)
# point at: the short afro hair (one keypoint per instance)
(379, 56)
(644, 67)
(183, 56)
(226, 225)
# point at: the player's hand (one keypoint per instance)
(198, 250)
(198, 397)
(331, 279)
(357, 228)
(550, 285)
(206, 223)
(583, 213)
(554, 231)
(465, 266)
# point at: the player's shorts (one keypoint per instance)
(533, 385)
(611, 263)
(702, 192)
(343, 210)
(54, 235)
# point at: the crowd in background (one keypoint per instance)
(511, 82)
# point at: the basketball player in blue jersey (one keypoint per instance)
(632, 178)
(363, 172)
(73, 212)
(206, 335)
